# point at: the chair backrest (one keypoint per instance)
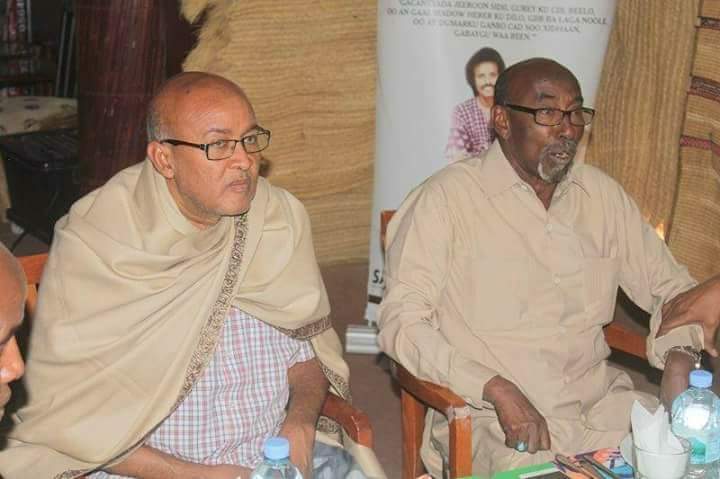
(33, 266)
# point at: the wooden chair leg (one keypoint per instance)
(413, 423)
(460, 443)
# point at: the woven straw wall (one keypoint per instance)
(659, 104)
(695, 229)
(641, 100)
(309, 69)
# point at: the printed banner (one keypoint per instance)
(437, 65)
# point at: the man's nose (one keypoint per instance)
(12, 366)
(241, 159)
(567, 129)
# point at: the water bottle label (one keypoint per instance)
(704, 453)
(712, 449)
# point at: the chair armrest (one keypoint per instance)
(416, 395)
(355, 422)
(622, 338)
(385, 217)
(435, 396)
(33, 266)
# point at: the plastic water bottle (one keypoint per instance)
(276, 464)
(696, 417)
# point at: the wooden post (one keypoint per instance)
(121, 61)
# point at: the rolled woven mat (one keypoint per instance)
(695, 228)
(641, 101)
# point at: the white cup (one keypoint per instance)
(655, 465)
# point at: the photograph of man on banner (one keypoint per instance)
(471, 130)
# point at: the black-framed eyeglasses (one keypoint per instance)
(222, 149)
(554, 116)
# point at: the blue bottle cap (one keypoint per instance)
(700, 378)
(277, 448)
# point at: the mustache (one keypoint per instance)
(563, 146)
(484, 85)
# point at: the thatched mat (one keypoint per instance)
(309, 69)
(695, 229)
(641, 100)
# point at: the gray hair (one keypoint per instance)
(154, 125)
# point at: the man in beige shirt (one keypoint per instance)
(502, 270)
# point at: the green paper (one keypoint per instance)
(515, 473)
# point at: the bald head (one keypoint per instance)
(180, 94)
(12, 283)
(12, 306)
(521, 75)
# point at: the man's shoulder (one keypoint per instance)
(466, 104)
(463, 174)
(121, 183)
(278, 193)
(447, 187)
(597, 180)
(281, 201)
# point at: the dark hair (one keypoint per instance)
(501, 86)
(483, 55)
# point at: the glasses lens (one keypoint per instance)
(256, 142)
(581, 117)
(221, 149)
(548, 116)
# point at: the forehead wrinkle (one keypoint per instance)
(182, 97)
(212, 125)
(541, 92)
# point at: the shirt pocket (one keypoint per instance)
(494, 292)
(600, 284)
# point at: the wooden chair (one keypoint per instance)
(417, 395)
(355, 422)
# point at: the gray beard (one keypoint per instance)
(555, 171)
(549, 168)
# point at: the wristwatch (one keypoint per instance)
(689, 351)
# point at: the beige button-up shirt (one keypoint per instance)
(483, 280)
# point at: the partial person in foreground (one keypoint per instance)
(502, 270)
(471, 131)
(182, 318)
(12, 309)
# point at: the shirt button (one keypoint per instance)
(556, 280)
(549, 227)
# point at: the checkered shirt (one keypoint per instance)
(470, 132)
(238, 402)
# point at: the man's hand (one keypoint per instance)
(223, 471)
(302, 443)
(517, 416)
(150, 463)
(675, 378)
(699, 305)
(308, 388)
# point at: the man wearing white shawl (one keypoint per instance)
(158, 284)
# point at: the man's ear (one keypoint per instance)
(500, 121)
(160, 158)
